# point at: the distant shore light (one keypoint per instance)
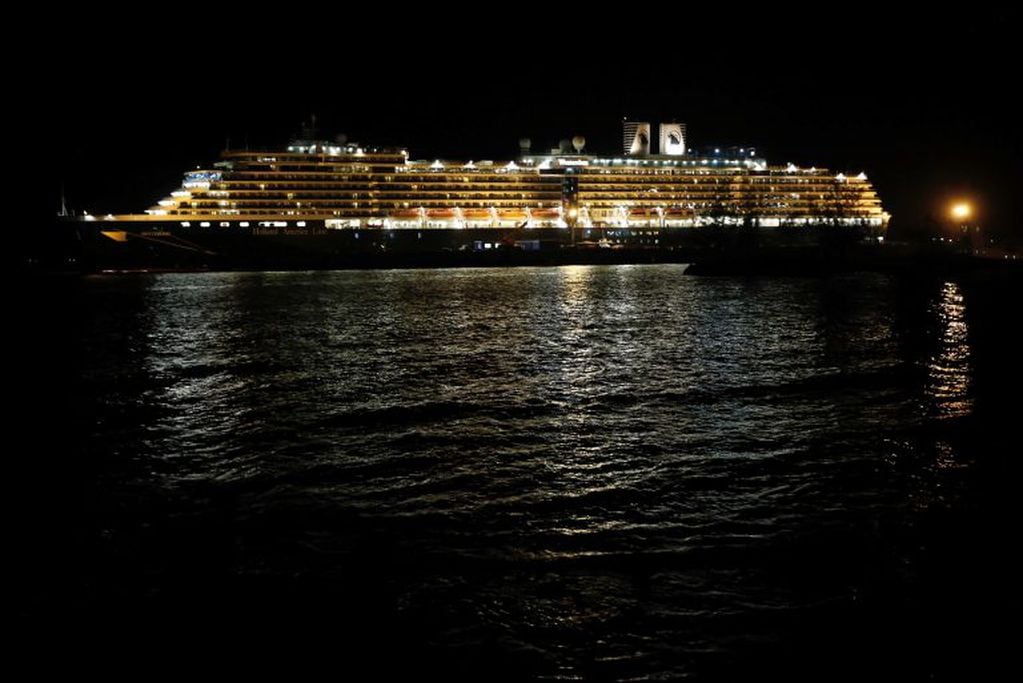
(961, 210)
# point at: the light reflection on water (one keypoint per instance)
(948, 369)
(597, 472)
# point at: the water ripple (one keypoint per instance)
(607, 473)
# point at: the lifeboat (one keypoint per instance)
(644, 214)
(511, 215)
(476, 214)
(677, 213)
(405, 214)
(546, 214)
(441, 214)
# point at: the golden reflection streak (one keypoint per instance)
(948, 371)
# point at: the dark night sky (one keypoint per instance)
(922, 104)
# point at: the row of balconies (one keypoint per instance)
(363, 188)
(312, 206)
(403, 179)
(231, 188)
(697, 209)
(470, 183)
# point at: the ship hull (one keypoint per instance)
(169, 246)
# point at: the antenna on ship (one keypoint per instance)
(309, 128)
(63, 213)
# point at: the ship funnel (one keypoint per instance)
(673, 139)
(636, 138)
(578, 142)
(524, 145)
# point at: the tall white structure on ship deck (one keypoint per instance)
(673, 139)
(636, 138)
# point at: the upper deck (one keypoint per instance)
(351, 185)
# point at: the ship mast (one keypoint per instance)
(63, 213)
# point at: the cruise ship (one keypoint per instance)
(322, 203)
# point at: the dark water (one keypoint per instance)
(579, 473)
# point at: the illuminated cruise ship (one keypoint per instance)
(328, 199)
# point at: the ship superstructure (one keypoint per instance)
(566, 196)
